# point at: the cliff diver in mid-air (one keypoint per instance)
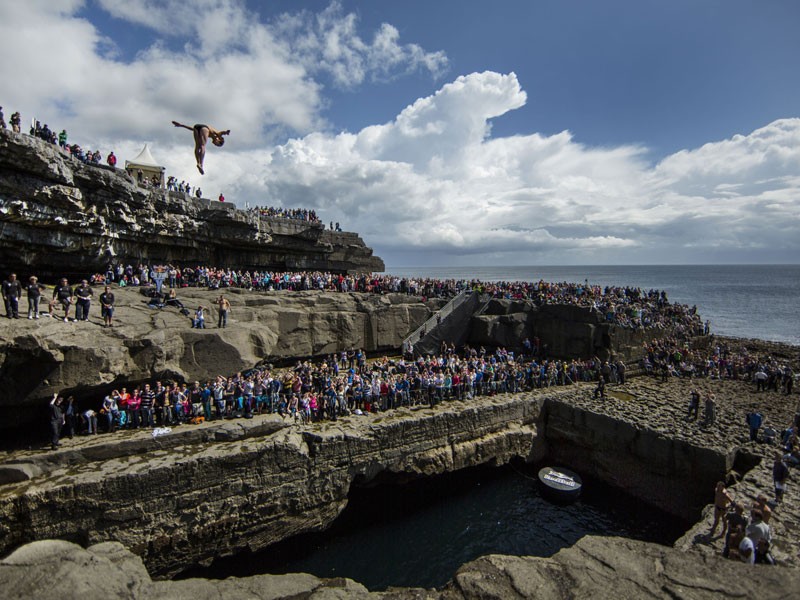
(201, 135)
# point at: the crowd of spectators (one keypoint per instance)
(674, 356)
(43, 132)
(278, 212)
(173, 185)
(623, 306)
(344, 383)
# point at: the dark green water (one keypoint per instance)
(418, 534)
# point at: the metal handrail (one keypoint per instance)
(437, 318)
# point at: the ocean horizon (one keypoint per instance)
(745, 301)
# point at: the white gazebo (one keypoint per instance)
(144, 168)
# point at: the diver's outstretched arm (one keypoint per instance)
(182, 125)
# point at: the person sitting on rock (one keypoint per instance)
(199, 321)
(761, 536)
(761, 504)
(172, 300)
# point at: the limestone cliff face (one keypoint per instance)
(635, 457)
(59, 216)
(220, 488)
(39, 358)
(568, 331)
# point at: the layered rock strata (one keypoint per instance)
(567, 331)
(221, 488)
(60, 216)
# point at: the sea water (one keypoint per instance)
(747, 301)
(420, 533)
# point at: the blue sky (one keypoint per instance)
(451, 132)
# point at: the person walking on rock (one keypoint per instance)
(694, 405)
(56, 420)
(780, 473)
(710, 414)
(600, 390)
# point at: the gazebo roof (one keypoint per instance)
(144, 159)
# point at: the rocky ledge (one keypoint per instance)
(45, 356)
(61, 216)
(595, 567)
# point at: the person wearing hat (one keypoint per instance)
(34, 290)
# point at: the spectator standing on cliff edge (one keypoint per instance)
(224, 307)
(722, 500)
(107, 307)
(201, 135)
(754, 420)
(12, 290)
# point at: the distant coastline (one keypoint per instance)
(744, 301)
